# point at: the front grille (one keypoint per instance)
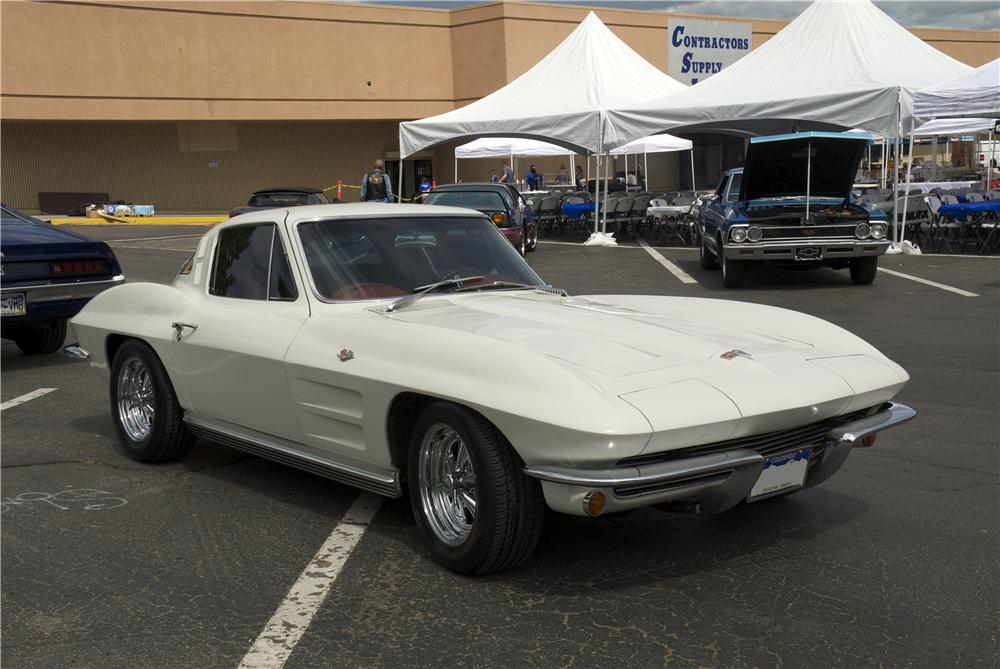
(768, 444)
(807, 231)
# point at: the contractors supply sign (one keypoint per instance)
(699, 49)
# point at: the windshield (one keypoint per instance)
(278, 200)
(471, 199)
(391, 257)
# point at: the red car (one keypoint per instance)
(503, 205)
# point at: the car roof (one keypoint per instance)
(474, 185)
(290, 189)
(352, 210)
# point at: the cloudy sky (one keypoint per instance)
(954, 14)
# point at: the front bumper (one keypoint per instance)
(825, 249)
(705, 483)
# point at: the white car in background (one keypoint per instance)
(409, 349)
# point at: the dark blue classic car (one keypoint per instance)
(792, 203)
(47, 275)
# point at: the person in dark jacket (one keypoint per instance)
(534, 179)
(375, 184)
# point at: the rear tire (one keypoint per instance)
(147, 417)
(733, 271)
(46, 339)
(473, 504)
(707, 258)
(863, 270)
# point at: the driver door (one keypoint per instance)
(231, 344)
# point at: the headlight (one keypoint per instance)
(754, 233)
(878, 230)
(862, 231)
(738, 235)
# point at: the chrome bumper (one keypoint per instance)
(829, 249)
(54, 292)
(705, 483)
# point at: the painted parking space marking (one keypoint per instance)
(27, 397)
(283, 631)
(681, 275)
(928, 282)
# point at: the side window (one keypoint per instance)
(250, 264)
(721, 190)
(282, 285)
(734, 187)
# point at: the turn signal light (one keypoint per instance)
(593, 503)
(498, 218)
(869, 440)
(61, 267)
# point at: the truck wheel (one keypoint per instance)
(708, 259)
(147, 417)
(46, 339)
(733, 271)
(863, 270)
(473, 504)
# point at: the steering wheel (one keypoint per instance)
(358, 291)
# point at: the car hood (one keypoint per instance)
(778, 167)
(629, 342)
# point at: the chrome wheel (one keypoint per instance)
(447, 484)
(135, 399)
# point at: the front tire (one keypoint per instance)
(863, 270)
(733, 271)
(46, 339)
(473, 504)
(147, 417)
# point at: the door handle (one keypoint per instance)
(179, 327)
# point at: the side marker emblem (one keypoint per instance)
(345, 354)
(736, 353)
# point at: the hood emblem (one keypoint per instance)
(345, 355)
(736, 353)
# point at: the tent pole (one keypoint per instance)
(934, 158)
(399, 193)
(597, 188)
(895, 187)
(693, 189)
(607, 167)
(572, 169)
(456, 169)
(989, 165)
(809, 164)
(906, 201)
(645, 171)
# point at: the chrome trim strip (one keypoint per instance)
(76, 351)
(289, 453)
(853, 432)
(661, 472)
(51, 292)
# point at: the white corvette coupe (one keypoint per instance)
(409, 349)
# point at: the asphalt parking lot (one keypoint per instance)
(892, 563)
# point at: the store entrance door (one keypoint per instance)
(413, 171)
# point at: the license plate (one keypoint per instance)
(808, 252)
(13, 305)
(781, 473)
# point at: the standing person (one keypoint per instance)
(534, 179)
(580, 177)
(425, 184)
(375, 184)
(563, 176)
(493, 177)
(507, 174)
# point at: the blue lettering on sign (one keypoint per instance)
(678, 31)
(686, 62)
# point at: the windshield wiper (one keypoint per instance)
(501, 285)
(420, 291)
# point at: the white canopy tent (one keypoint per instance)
(976, 93)
(843, 62)
(508, 147)
(655, 144)
(562, 99)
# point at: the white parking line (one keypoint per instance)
(683, 276)
(927, 282)
(27, 397)
(283, 631)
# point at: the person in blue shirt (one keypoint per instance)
(534, 179)
(425, 184)
(493, 177)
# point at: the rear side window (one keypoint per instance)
(251, 264)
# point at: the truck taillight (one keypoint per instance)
(64, 267)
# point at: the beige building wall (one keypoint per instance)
(135, 98)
